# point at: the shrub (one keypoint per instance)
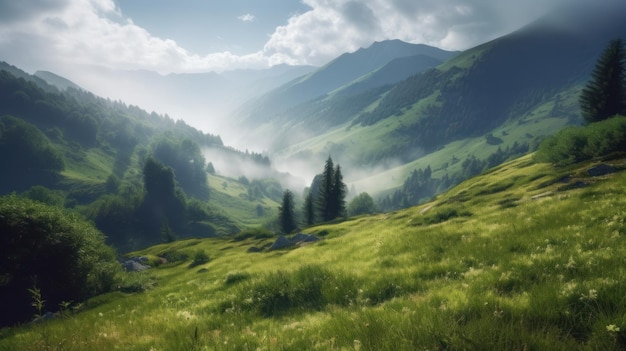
(235, 277)
(577, 144)
(46, 248)
(199, 257)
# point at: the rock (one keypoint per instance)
(576, 185)
(303, 238)
(134, 266)
(45, 317)
(281, 243)
(600, 170)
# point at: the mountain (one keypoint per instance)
(73, 149)
(507, 92)
(203, 98)
(56, 80)
(339, 72)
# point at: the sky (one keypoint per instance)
(186, 36)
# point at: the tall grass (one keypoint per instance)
(545, 274)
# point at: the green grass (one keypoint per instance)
(231, 197)
(546, 270)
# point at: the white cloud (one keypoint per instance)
(246, 18)
(96, 32)
(333, 27)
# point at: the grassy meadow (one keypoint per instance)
(519, 258)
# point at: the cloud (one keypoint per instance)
(333, 27)
(95, 32)
(246, 18)
(43, 33)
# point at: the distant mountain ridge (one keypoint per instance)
(508, 91)
(340, 72)
(57, 81)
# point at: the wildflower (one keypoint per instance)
(612, 328)
(592, 295)
(357, 345)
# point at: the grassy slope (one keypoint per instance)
(369, 140)
(231, 197)
(503, 261)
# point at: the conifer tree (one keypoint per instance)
(309, 209)
(324, 200)
(286, 215)
(338, 198)
(605, 94)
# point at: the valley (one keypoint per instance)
(450, 200)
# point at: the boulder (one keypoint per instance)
(134, 266)
(601, 169)
(303, 238)
(281, 243)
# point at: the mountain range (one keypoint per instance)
(518, 88)
(392, 108)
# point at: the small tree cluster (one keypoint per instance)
(325, 199)
(605, 94)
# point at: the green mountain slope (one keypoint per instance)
(516, 88)
(341, 71)
(73, 149)
(525, 256)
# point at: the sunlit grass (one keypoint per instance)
(543, 272)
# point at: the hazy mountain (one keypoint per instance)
(340, 72)
(513, 89)
(202, 99)
(56, 80)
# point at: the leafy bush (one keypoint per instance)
(576, 144)
(132, 282)
(46, 248)
(174, 256)
(235, 277)
(199, 257)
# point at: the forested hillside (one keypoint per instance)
(141, 177)
(491, 102)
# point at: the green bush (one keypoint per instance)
(235, 277)
(199, 257)
(576, 144)
(46, 248)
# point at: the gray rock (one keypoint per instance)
(303, 238)
(134, 266)
(601, 169)
(281, 243)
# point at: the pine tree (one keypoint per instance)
(309, 209)
(286, 215)
(605, 94)
(338, 198)
(324, 200)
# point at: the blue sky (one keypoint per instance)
(206, 26)
(174, 36)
